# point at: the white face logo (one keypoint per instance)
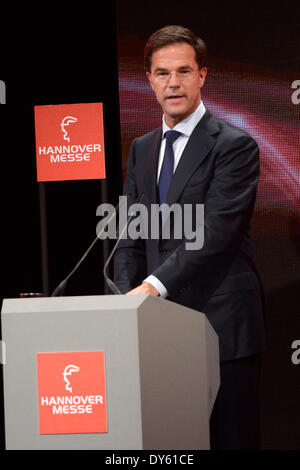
(70, 369)
(66, 122)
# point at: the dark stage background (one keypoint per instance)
(70, 53)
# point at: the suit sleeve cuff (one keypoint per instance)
(158, 285)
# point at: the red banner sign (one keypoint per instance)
(69, 142)
(71, 389)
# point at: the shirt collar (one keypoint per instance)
(188, 124)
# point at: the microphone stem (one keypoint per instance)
(64, 282)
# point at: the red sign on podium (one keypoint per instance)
(71, 389)
(69, 142)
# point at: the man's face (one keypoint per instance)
(176, 81)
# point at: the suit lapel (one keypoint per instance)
(199, 145)
(151, 167)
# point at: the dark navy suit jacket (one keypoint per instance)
(220, 169)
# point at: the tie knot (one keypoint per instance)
(171, 136)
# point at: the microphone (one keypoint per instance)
(114, 289)
(59, 290)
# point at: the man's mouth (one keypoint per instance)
(174, 97)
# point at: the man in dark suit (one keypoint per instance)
(215, 164)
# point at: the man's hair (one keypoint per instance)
(174, 34)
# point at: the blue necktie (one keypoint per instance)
(167, 168)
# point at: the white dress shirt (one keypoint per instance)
(186, 128)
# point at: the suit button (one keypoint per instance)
(162, 251)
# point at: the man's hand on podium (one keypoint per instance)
(144, 288)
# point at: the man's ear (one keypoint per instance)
(202, 76)
(149, 76)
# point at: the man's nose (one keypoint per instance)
(174, 80)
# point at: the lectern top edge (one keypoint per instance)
(73, 303)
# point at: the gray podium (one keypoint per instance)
(161, 363)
